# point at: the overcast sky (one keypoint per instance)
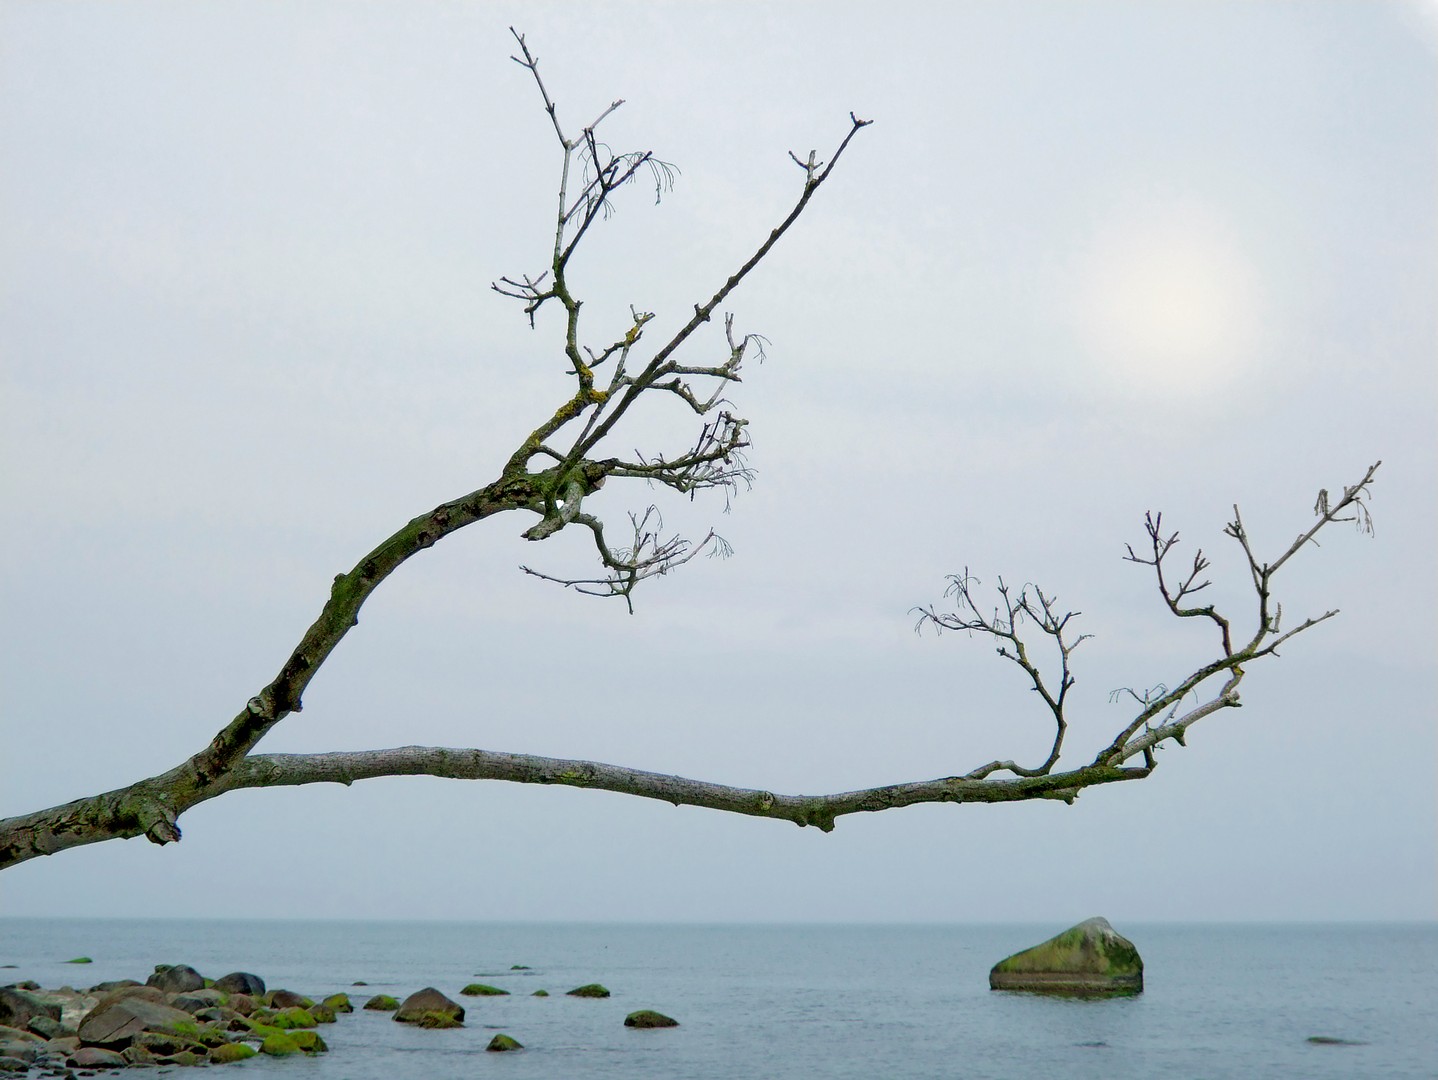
(1090, 260)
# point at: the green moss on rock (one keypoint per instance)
(382, 1003)
(293, 1017)
(648, 1018)
(434, 1019)
(223, 1055)
(309, 1041)
(483, 990)
(340, 1003)
(501, 1043)
(280, 1044)
(540, 993)
(80, 960)
(1090, 959)
(589, 990)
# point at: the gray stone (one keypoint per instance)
(176, 978)
(241, 982)
(114, 1022)
(428, 1000)
(94, 1057)
(19, 1007)
(1088, 960)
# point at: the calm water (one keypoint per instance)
(793, 1001)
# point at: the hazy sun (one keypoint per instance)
(1167, 302)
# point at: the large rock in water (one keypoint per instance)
(1088, 960)
(176, 978)
(428, 1000)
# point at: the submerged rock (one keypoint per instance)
(589, 990)
(501, 1043)
(382, 1003)
(1088, 960)
(483, 990)
(648, 1018)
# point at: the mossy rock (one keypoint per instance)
(287, 999)
(293, 1017)
(540, 993)
(185, 1057)
(382, 1003)
(80, 960)
(279, 1044)
(648, 1018)
(519, 967)
(589, 990)
(483, 990)
(1088, 960)
(223, 1055)
(437, 1020)
(322, 1013)
(500, 1043)
(340, 1003)
(309, 1041)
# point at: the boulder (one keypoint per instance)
(197, 1000)
(500, 1043)
(115, 1021)
(648, 1018)
(1088, 960)
(435, 1019)
(382, 1003)
(176, 978)
(288, 999)
(482, 990)
(428, 1000)
(241, 982)
(339, 1003)
(223, 1055)
(19, 1007)
(92, 1057)
(113, 984)
(589, 990)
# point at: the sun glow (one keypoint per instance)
(1167, 303)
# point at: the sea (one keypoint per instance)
(794, 1001)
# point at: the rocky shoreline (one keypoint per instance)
(179, 1017)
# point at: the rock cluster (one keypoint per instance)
(179, 1017)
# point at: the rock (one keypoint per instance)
(540, 993)
(93, 1057)
(648, 1018)
(80, 960)
(241, 982)
(1332, 1040)
(196, 1000)
(47, 1027)
(359, 982)
(428, 1000)
(288, 999)
(293, 1017)
(323, 1014)
(1087, 960)
(483, 990)
(501, 1043)
(589, 990)
(138, 1055)
(176, 978)
(242, 1004)
(435, 1019)
(116, 1021)
(183, 1057)
(19, 1007)
(519, 967)
(279, 1044)
(309, 1041)
(13, 1064)
(382, 1003)
(223, 1055)
(113, 984)
(340, 1003)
